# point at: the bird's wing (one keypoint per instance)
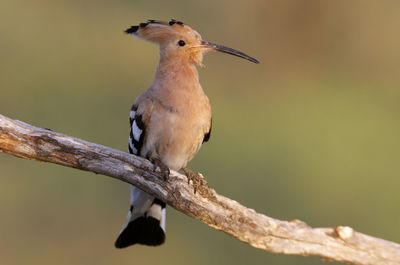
(208, 134)
(145, 223)
(138, 118)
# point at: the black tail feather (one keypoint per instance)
(143, 230)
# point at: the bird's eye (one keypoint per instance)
(181, 43)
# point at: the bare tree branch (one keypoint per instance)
(287, 237)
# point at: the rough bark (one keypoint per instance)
(294, 237)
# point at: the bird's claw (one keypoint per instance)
(163, 168)
(197, 179)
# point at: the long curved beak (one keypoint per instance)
(222, 48)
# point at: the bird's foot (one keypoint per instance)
(197, 179)
(163, 168)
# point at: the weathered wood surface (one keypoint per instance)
(286, 237)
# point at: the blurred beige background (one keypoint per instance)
(311, 133)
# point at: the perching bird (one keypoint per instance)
(169, 121)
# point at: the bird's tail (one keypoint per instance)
(145, 223)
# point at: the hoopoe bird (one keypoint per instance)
(169, 121)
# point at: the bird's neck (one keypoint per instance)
(177, 74)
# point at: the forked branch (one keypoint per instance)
(272, 235)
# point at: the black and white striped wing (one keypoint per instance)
(136, 136)
(145, 223)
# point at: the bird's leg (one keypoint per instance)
(163, 168)
(197, 178)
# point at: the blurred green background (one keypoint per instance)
(311, 133)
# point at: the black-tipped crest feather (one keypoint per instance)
(132, 29)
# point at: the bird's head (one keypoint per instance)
(179, 41)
